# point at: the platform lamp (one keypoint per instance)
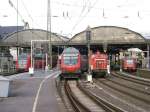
(88, 39)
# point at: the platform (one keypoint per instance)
(33, 94)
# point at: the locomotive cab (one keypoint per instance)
(23, 62)
(129, 64)
(99, 64)
(70, 63)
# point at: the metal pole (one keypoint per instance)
(17, 21)
(49, 29)
(88, 38)
(47, 25)
(17, 31)
(31, 55)
(89, 69)
(46, 59)
(31, 70)
(46, 67)
(148, 48)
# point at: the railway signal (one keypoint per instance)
(88, 39)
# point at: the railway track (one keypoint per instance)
(127, 88)
(77, 105)
(87, 101)
(128, 91)
(132, 78)
(123, 96)
(131, 83)
(107, 106)
(60, 85)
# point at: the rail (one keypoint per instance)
(132, 78)
(107, 106)
(79, 107)
(128, 91)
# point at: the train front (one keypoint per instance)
(99, 62)
(70, 63)
(23, 62)
(129, 64)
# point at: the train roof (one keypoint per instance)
(70, 50)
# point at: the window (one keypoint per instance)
(70, 60)
(22, 57)
(129, 61)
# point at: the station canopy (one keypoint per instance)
(23, 38)
(108, 35)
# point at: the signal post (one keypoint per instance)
(88, 38)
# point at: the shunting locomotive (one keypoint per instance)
(99, 64)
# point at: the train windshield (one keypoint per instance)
(70, 60)
(22, 57)
(22, 60)
(130, 61)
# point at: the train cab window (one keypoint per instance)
(98, 62)
(22, 59)
(130, 61)
(23, 56)
(70, 60)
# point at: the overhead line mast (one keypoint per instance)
(49, 30)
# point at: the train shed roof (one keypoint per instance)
(109, 35)
(6, 30)
(24, 37)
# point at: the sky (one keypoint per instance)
(69, 17)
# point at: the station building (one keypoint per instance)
(16, 42)
(114, 40)
(111, 39)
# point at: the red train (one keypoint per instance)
(99, 64)
(23, 62)
(39, 60)
(70, 63)
(129, 64)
